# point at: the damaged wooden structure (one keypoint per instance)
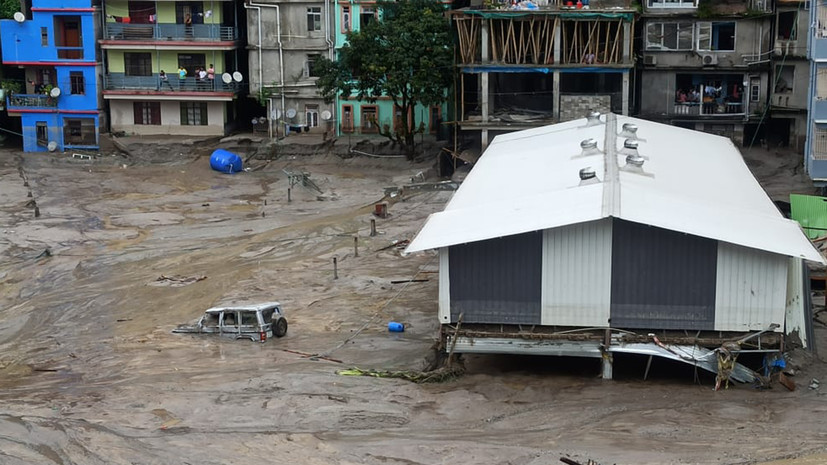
(619, 239)
(526, 68)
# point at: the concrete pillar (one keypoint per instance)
(607, 366)
(486, 58)
(555, 88)
(627, 42)
(625, 93)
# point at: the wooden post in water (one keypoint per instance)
(372, 227)
(335, 268)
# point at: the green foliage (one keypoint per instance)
(407, 56)
(705, 9)
(8, 8)
(11, 87)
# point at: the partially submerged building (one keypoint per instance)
(54, 41)
(524, 68)
(621, 235)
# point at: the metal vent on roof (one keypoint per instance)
(588, 176)
(629, 131)
(635, 160)
(634, 164)
(593, 118)
(589, 147)
(630, 148)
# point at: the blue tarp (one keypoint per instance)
(224, 161)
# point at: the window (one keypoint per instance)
(314, 18)
(345, 18)
(42, 133)
(192, 61)
(79, 131)
(68, 40)
(189, 10)
(370, 118)
(672, 4)
(784, 78)
(44, 36)
(718, 37)
(137, 64)
(819, 142)
(311, 113)
(786, 25)
(367, 15)
(77, 82)
(754, 92)
(347, 118)
(148, 113)
(193, 113)
(669, 36)
(310, 65)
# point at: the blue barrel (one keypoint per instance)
(395, 327)
(224, 161)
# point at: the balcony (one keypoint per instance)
(19, 102)
(169, 32)
(708, 109)
(119, 81)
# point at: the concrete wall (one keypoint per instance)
(122, 116)
(167, 60)
(796, 94)
(165, 11)
(575, 106)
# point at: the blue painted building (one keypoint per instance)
(55, 42)
(816, 145)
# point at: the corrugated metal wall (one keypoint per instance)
(661, 279)
(751, 289)
(497, 280)
(577, 279)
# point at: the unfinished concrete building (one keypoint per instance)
(705, 65)
(521, 68)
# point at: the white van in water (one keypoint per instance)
(254, 322)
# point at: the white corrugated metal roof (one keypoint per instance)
(694, 182)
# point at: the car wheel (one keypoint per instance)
(280, 328)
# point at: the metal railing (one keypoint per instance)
(708, 109)
(31, 101)
(202, 32)
(120, 81)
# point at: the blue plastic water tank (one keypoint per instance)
(395, 327)
(224, 161)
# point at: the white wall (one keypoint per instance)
(123, 119)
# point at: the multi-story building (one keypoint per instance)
(789, 89)
(816, 145)
(143, 39)
(54, 40)
(705, 65)
(522, 68)
(284, 40)
(361, 117)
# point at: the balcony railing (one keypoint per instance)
(31, 101)
(199, 32)
(708, 109)
(118, 81)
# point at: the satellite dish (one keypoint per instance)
(237, 77)
(326, 115)
(55, 92)
(52, 146)
(275, 114)
(262, 119)
(19, 17)
(291, 112)
(226, 78)
(255, 121)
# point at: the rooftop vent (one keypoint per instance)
(593, 118)
(588, 176)
(629, 131)
(589, 147)
(635, 160)
(630, 149)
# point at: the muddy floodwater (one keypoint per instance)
(102, 258)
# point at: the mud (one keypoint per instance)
(91, 374)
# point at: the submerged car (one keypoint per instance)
(254, 322)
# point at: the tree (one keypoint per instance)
(8, 8)
(406, 56)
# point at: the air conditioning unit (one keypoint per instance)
(650, 60)
(709, 59)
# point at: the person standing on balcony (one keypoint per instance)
(163, 80)
(188, 25)
(211, 74)
(182, 76)
(202, 79)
